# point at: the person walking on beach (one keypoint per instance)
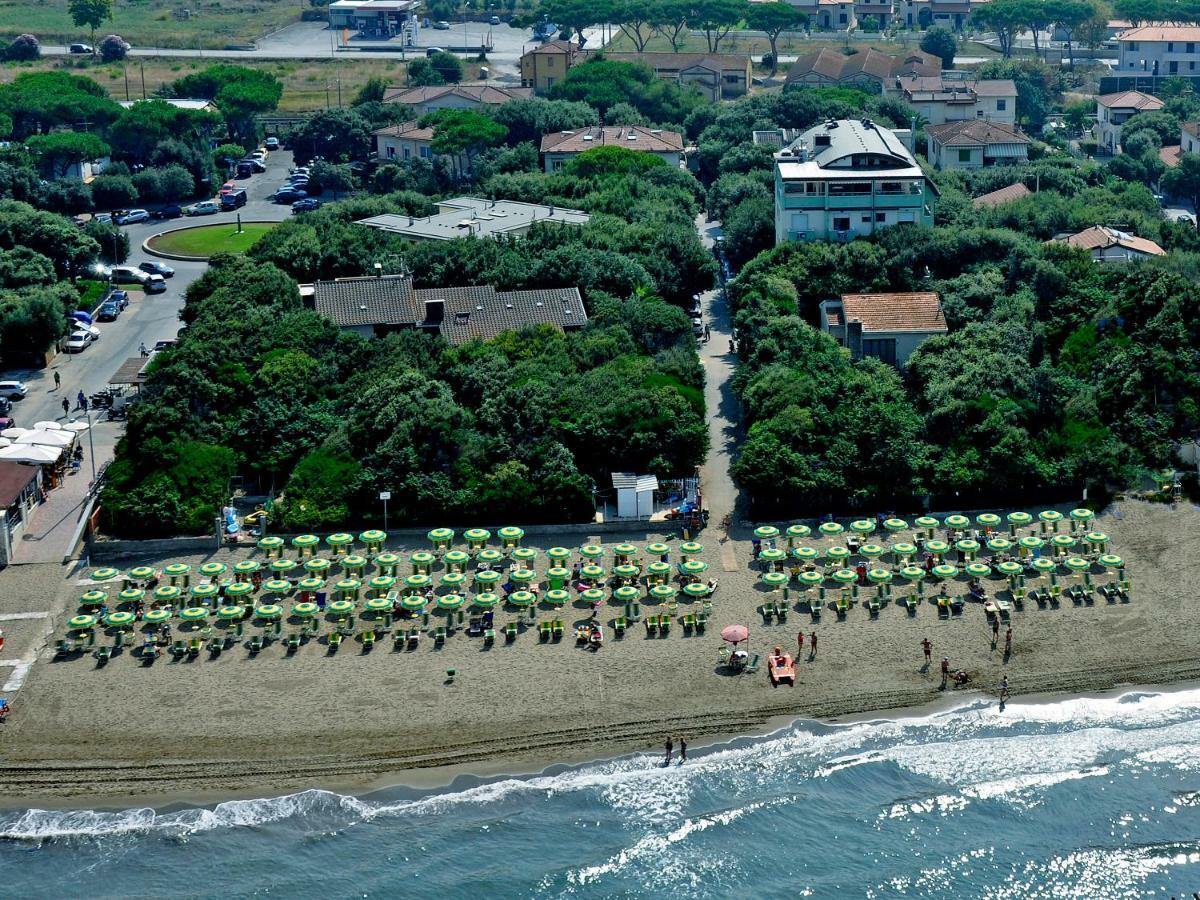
(66, 405)
(682, 750)
(57, 381)
(1008, 641)
(669, 747)
(1003, 688)
(799, 644)
(995, 631)
(945, 670)
(927, 646)
(812, 646)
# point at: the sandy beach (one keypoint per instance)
(268, 724)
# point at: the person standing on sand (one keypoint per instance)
(812, 646)
(682, 750)
(927, 646)
(799, 643)
(945, 670)
(1003, 688)
(1008, 641)
(669, 747)
(995, 631)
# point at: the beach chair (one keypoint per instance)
(843, 606)
(781, 611)
(620, 623)
(689, 623)
(556, 628)
(672, 608)
(179, 649)
(664, 625)
(752, 665)
(943, 605)
(489, 636)
(293, 642)
(510, 632)
(368, 640)
(193, 647)
(1124, 588)
(439, 635)
(544, 629)
(723, 654)
(634, 611)
(215, 646)
(956, 605)
(912, 602)
(102, 654)
(414, 638)
(1004, 610)
(399, 638)
(767, 611)
(701, 622)
(707, 605)
(149, 649)
(873, 604)
(64, 648)
(335, 640)
(651, 625)
(256, 643)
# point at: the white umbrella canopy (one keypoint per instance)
(14, 432)
(4, 442)
(46, 425)
(47, 438)
(30, 453)
(77, 427)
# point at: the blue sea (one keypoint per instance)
(1081, 798)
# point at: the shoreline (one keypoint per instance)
(451, 776)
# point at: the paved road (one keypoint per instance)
(148, 319)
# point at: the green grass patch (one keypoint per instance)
(209, 239)
(90, 293)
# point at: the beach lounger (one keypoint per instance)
(335, 640)
(216, 645)
(651, 625)
(664, 625)
(701, 622)
(64, 647)
(767, 611)
(489, 636)
(873, 604)
(635, 611)
(102, 654)
(399, 638)
(723, 654)
(1004, 608)
(781, 611)
(689, 623)
(293, 642)
(956, 605)
(707, 604)
(544, 629)
(943, 605)
(672, 608)
(752, 665)
(368, 640)
(556, 629)
(912, 601)
(256, 643)
(843, 605)
(179, 649)
(150, 649)
(439, 635)
(1124, 588)
(194, 647)
(620, 623)
(414, 638)
(510, 632)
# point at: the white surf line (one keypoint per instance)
(12, 617)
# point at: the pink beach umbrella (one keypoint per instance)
(735, 634)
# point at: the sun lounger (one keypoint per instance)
(781, 611)
(707, 606)
(489, 636)
(439, 635)
(179, 649)
(102, 653)
(335, 640)
(150, 649)
(943, 605)
(544, 629)
(216, 645)
(620, 623)
(510, 632)
(257, 642)
(293, 642)
(64, 647)
(664, 625)
(1004, 608)
(194, 647)
(414, 638)
(956, 604)
(368, 640)
(651, 625)
(701, 622)
(399, 638)
(767, 611)
(689, 623)
(843, 605)
(752, 665)
(873, 603)
(723, 654)
(912, 602)
(556, 629)
(672, 608)
(634, 611)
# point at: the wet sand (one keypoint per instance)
(239, 725)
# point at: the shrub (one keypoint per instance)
(23, 47)
(113, 48)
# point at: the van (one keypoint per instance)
(233, 199)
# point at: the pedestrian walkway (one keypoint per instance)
(51, 525)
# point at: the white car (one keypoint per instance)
(12, 390)
(203, 208)
(77, 342)
(128, 275)
(133, 216)
(155, 284)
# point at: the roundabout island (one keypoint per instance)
(199, 242)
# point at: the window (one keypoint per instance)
(842, 19)
(1133, 45)
(732, 79)
(891, 187)
(1173, 67)
(426, 153)
(1191, 67)
(841, 223)
(1001, 105)
(880, 217)
(1170, 47)
(407, 152)
(1191, 48)
(842, 189)
(549, 83)
(964, 155)
(391, 152)
(880, 348)
(867, 219)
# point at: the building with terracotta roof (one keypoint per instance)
(1114, 110)
(375, 306)
(405, 140)
(1159, 50)
(454, 96)
(846, 179)
(867, 68)
(1109, 245)
(886, 326)
(975, 144)
(545, 65)
(1189, 137)
(942, 98)
(828, 15)
(716, 76)
(952, 14)
(1004, 195)
(561, 147)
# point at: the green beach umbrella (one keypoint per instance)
(387, 560)
(559, 573)
(895, 526)
(659, 569)
(489, 556)
(957, 521)
(165, 593)
(119, 618)
(838, 554)
(450, 601)
(830, 529)
(239, 589)
(347, 585)
(419, 581)
(229, 613)
(510, 533)
(944, 571)
(422, 558)
(845, 576)
(1017, 520)
(978, 570)
(862, 526)
(766, 532)
(808, 554)
(487, 576)
(521, 598)
(312, 583)
(968, 546)
(1111, 561)
(345, 607)
(194, 613)
(626, 594)
(592, 595)
(928, 523)
(772, 555)
(624, 549)
(903, 548)
(1099, 538)
(246, 567)
(1063, 541)
(591, 551)
(372, 536)
(456, 558)
(913, 573)
(81, 621)
(277, 586)
(558, 554)
(879, 576)
(305, 610)
(524, 554)
(1010, 568)
(382, 582)
(775, 579)
(353, 562)
(268, 611)
(662, 591)
(591, 572)
(988, 520)
(937, 547)
(691, 548)
(282, 566)
(270, 543)
(1044, 565)
(486, 600)
(693, 567)
(204, 591)
(141, 573)
(411, 602)
(453, 579)
(696, 589)
(105, 574)
(811, 579)
(93, 598)
(522, 576)
(625, 571)
(797, 532)
(174, 570)
(557, 597)
(212, 569)
(872, 551)
(1029, 542)
(1082, 515)
(305, 541)
(156, 616)
(1077, 564)
(131, 595)
(339, 539)
(658, 549)
(1050, 517)
(477, 535)
(999, 544)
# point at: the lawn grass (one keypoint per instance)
(211, 24)
(308, 84)
(791, 45)
(209, 239)
(90, 293)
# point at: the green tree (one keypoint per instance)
(461, 134)
(92, 13)
(528, 120)
(942, 43)
(773, 19)
(716, 18)
(239, 93)
(338, 135)
(1007, 18)
(1184, 180)
(636, 20)
(113, 192)
(670, 19)
(448, 66)
(60, 151)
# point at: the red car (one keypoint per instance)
(229, 186)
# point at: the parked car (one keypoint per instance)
(102, 218)
(233, 199)
(441, 26)
(163, 345)
(299, 170)
(306, 205)
(255, 164)
(128, 275)
(154, 267)
(227, 187)
(288, 194)
(5, 406)
(12, 390)
(271, 143)
(91, 332)
(170, 211)
(155, 284)
(431, 51)
(697, 326)
(298, 184)
(260, 154)
(76, 343)
(81, 48)
(203, 208)
(494, 20)
(109, 311)
(121, 298)
(133, 216)
(244, 169)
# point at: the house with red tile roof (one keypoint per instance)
(1110, 245)
(886, 326)
(1114, 110)
(561, 147)
(1004, 195)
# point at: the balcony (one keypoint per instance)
(854, 201)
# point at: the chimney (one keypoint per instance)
(378, 270)
(435, 311)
